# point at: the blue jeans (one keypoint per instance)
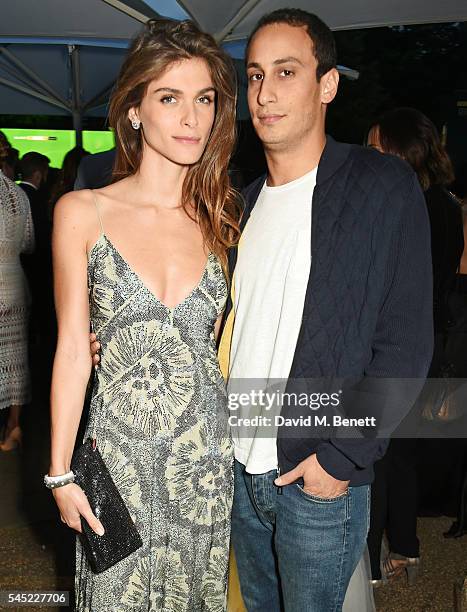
(295, 552)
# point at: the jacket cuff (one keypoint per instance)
(334, 462)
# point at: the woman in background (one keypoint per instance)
(16, 237)
(409, 134)
(67, 176)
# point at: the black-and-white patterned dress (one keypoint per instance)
(159, 410)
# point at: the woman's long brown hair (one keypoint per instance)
(207, 184)
(3, 148)
(410, 134)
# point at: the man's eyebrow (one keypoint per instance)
(179, 92)
(287, 60)
(277, 62)
(253, 65)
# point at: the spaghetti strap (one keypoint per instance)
(97, 210)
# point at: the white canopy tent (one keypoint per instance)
(234, 19)
(226, 19)
(62, 56)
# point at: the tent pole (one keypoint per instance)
(76, 109)
(131, 12)
(240, 14)
(78, 128)
(187, 10)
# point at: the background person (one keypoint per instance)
(16, 237)
(409, 134)
(67, 176)
(34, 171)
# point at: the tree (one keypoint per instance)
(420, 66)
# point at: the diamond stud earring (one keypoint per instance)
(135, 124)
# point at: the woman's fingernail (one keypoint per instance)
(278, 482)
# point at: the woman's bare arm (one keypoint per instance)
(72, 365)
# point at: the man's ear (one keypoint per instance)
(329, 83)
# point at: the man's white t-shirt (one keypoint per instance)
(270, 281)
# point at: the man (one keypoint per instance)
(355, 304)
(361, 310)
(95, 171)
(34, 168)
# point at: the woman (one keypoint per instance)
(16, 237)
(409, 134)
(9, 159)
(67, 176)
(151, 249)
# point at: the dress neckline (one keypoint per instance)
(143, 283)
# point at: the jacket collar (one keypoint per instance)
(333, 156)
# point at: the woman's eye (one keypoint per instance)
(255, 77)
(168, 100)
(205, 100)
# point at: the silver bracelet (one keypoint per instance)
(52, 482)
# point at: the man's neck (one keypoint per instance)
(287, 165)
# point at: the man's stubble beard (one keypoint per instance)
(284, 143)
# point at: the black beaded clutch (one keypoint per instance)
(121, 537)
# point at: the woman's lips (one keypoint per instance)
(187, 140)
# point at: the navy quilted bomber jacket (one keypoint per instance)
(368, 304)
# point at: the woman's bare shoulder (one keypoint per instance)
(75, 200)
(75, 208)
(114, 191)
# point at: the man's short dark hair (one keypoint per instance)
(32, 162)
(324, 45)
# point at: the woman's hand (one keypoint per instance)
(73, 503)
